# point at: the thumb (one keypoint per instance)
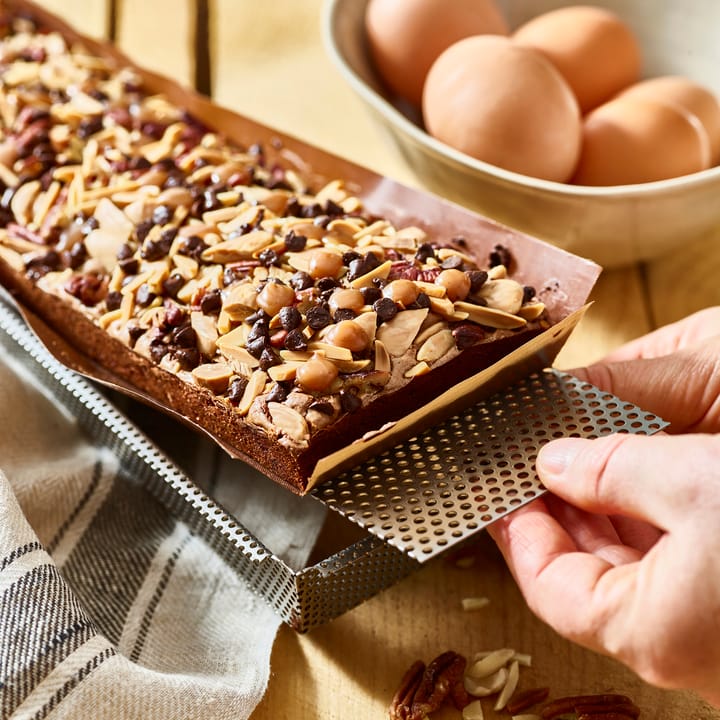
(660, 479)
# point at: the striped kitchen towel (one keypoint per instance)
(109, 607)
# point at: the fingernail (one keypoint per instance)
(555, 457)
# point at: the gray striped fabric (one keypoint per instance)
(109, 608)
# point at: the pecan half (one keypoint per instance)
(526, 699)
(402, 700)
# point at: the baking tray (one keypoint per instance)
(415, 500)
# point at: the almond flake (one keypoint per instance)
(490, 663)
(510, 686)
(473, 711)
(531, 310)
(399, 333)
(206, 330)
(436, 346)
(421, 368)
(490, 317)
(285, 371)
(489, 685)
(255, 386)
(474, 603)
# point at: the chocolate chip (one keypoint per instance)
(292, 208)
(78, 255)
(386, 309)
(158, 352)
(258, 315)
(290, 317)
(211, 302)
(349, 256)
(425, 252)
(188, 358)
(210, 200)
(153, 250)
(333, 209)
(500, 255)
(89, 126)
(318, 317)
(171, 285)
(236, 390)
(422, 300)
(135, 332)
(139, 163)
(349, 401)
(362, 266)
(162, 214)
(256, 346)
(124, 252)
(259, 329)
(528, 293)
(325, 408)
(301, 281)
(326, 283)
(295, 340)
(144, 296)
(192, 246)
(142, 229)
(269, 257)
(460, 240)
(130, 266)
(113, 300)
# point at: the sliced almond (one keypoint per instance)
(239, 248)
(381, 271)
(368, 322)
(22, 201)
(206, 330)
(490, 663)
(285, 371)
(503, 294)
(351, 366)
(526, 716)
(331, 352)
(473, 711)
(531, 310)
(490, 317)
(373, 229)
(421, 368)
(214, 376)
(255, 386)
(295, 355)
(13, 259)
(399, 333)
(496, 272)
(470, 604)
(382, 357)
(489, 685)
(289, 421)
(510, 686)
(240, 301)
(431, 289)
(436, 346)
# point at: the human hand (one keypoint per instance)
(622, 557)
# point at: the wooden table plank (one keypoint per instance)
(159, 35)
(89, 17)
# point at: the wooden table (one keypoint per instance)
(266, 60)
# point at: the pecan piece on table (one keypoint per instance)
(423, 689)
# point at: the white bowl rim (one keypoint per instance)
(388, 110)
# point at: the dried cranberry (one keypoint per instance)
(174, 315)
(89, 289)
(295, 340)
(290, 317)
(318, 317)
(477, 279)
(268, 358)
(467, 334)
(386, 309)
(370, 294)
(277, 393)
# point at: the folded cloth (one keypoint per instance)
(109, 607)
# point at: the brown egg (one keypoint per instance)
(406, 36)
(633, 140)
(504, 104)
(593, 49)
(687, 94)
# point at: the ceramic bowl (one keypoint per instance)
(613, 226)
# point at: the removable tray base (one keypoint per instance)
(436, 489)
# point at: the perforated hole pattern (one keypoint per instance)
(436, 489)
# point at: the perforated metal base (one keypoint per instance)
(434, 490)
